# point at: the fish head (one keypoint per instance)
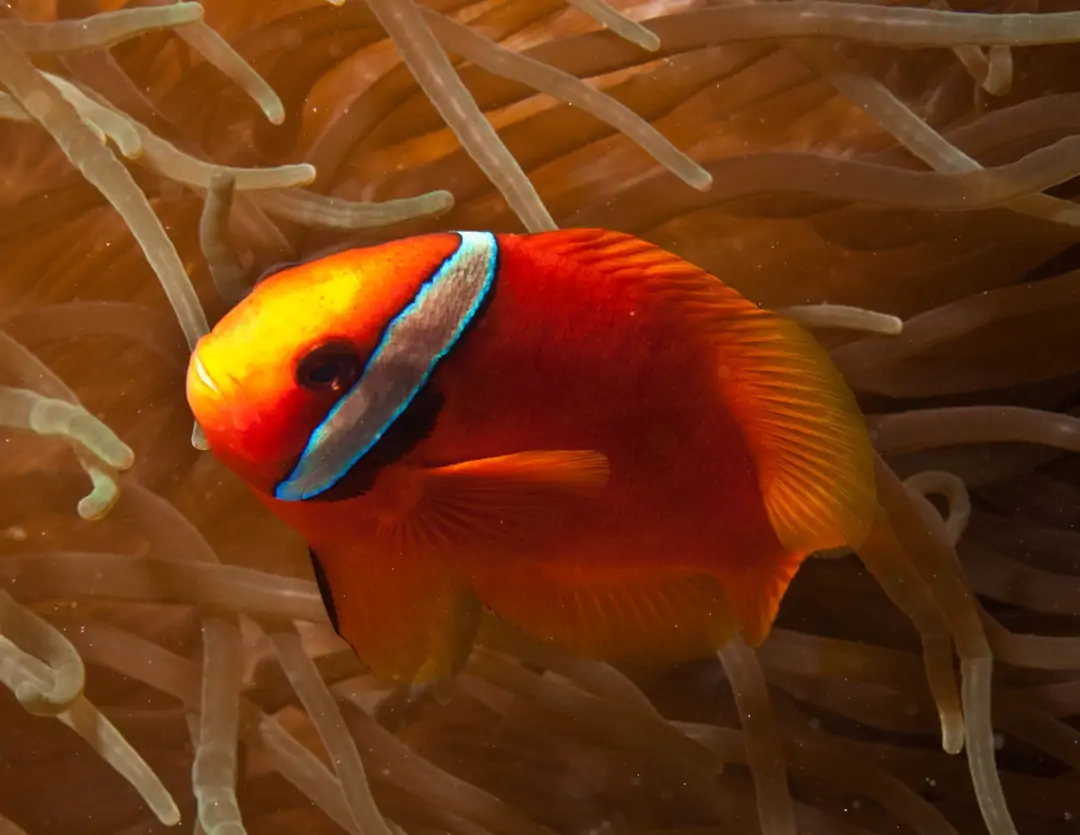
(266, 379)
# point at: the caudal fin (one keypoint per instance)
(815, 463)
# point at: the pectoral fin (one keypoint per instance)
(479, 505)
(394, 589)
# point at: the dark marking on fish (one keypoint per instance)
(324, 590)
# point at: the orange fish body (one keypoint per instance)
(594, 438)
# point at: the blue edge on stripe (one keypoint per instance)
(285, 490)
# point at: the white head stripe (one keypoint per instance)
(414, 342)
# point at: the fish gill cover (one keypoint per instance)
(895, 177)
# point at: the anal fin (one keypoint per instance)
(755, 594)
(629, 616)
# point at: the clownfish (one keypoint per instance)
(600, 442)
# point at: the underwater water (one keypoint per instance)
(899, 178)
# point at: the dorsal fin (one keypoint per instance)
(614, 254)
(812, 453)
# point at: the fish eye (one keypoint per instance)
(329, 368)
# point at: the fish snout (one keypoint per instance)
(197, 368)
(200, 385)
(206, 398)
(248, 432)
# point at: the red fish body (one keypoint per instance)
(599, 441)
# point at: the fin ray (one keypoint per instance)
(627, 617)
(815, 461)
(490, 503)
(755, 595)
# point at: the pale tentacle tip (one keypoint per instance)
(952, 736)
(647, 40)
(198, 438)
(123, 458)
(189, 13)
(310, 174)
(103, 496)
(170, 816)
(275, 113)
(441, 201)
(700, 179)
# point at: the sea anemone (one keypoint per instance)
(898, 178)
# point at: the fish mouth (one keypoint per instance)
(203, 394)
(200, 371)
